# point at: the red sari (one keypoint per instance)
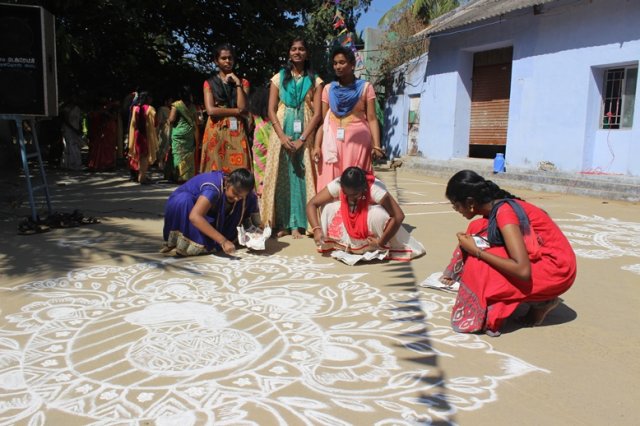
(487, 297)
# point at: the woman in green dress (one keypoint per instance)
(294, 111)
(184, 133)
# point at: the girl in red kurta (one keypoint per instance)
(513, 253)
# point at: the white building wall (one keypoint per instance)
(559, 58)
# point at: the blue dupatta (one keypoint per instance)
(493, 233)
(342, 99)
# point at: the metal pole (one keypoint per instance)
(25, 167)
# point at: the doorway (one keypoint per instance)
(491, 88)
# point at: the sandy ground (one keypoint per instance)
(99, 328)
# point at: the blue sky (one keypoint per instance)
(373, 15)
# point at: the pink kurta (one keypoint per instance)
(355, 150)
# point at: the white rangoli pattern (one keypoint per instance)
(235, 342)
(596, 237)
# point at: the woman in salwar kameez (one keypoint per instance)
(359, 215)
(143, 137)
(184, 122)
(350, 135)
(202, 215)
(225, 145)
(294, 111)
(513, 253)
(164, 132)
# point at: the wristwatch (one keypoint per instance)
(302, 138)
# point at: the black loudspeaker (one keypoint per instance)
(28, 80)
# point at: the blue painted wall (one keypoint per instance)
(409, 81)
(559, 58)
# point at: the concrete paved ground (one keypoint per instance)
(98, 328)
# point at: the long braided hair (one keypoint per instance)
(141, 122)
(467, 184)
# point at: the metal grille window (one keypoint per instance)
(619, 97)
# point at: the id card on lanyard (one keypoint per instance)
(297, 126)
(233, 123)
(340, 134)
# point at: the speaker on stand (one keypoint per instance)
(28, 80)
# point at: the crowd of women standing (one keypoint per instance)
(295, 138)
(296, 135)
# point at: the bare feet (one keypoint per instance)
(538, 312)
(282, 233)
(296, 234)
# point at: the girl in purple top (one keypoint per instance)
(202, 215)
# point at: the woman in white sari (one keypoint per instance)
(359, 215)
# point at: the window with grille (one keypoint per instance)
(619, 97)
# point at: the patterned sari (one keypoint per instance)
(261, 133)
(289, 175)
(487, 297)
(183, 138)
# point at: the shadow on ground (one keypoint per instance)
(129, 230)
(560, 315)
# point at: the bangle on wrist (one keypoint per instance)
(478, 253)
(316, 227)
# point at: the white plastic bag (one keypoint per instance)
(254, 237)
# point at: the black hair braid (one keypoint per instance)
(498, 193)
(467, 184)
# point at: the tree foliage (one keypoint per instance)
(107, 48)
(425, 10)
(320, 31)
(404, 20)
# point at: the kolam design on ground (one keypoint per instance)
(596, 237)
(250, 341)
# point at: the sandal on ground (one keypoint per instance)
(29, 227)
